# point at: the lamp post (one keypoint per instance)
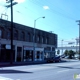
(76, 44)
(34, 37)
(79, 37)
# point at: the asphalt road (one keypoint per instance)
(51, 71)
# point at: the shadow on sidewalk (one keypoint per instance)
(12, 71)
(21, 63)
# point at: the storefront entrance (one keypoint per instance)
(39, 54)
(5, 53)
(28, 55)
(19, 54)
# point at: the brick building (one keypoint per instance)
(45, 43)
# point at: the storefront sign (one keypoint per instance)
(39, 49)
(31, 48)
(28, 48)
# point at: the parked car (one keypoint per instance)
(49, 60)
(66, 57)
(57, 59)
(54, 59)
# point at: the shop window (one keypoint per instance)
(19, 50)
(3, 46)
(53, 49)
(38, 53)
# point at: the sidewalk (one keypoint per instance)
(7, 64)
(64, 59)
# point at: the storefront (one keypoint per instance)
(5, 53)
(19, 54)
(28, 54)
(39, 54)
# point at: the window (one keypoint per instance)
(42, 39)
(16, 35)
(22, 36)
(29, 37)
(38, 39)
(0, 33)
(47, 40)
(8, 34)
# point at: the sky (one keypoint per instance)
(60, 16)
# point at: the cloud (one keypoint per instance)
(45, 7)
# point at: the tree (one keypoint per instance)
(71, 54)
(66, 52)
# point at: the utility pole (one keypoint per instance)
(76, 44)
(0, 41)
(11, 36)
(79, 37)
(62, 45)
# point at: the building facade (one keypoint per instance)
(23, 43)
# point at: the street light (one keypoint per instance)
(76, 44)
(34, 36)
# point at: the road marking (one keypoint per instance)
(4, 78)
(62, 71)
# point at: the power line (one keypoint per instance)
(36, 12)
(38, 3)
